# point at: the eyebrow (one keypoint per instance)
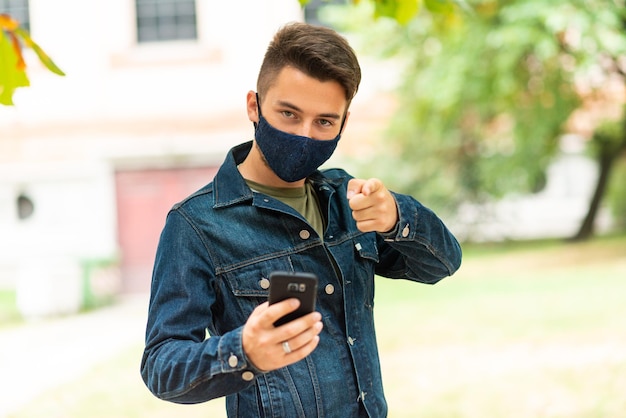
(289, 105)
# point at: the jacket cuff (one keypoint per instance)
(233, 359)
(407, 213)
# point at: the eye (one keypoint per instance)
(288, 114)
(326, 123)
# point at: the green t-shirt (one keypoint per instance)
(303, 199)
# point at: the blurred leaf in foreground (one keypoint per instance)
(12, 63)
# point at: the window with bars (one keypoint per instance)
(166, 20)
(312, 9)
(18, 10)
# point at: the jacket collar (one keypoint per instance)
(229, 186)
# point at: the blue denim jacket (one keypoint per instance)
(215, 254)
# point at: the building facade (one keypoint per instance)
(90, 163)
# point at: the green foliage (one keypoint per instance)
(617, 195)
(403, 11)
(485, 95)
(400, 10)
(609, 142)
(608, 145)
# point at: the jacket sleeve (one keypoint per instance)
(420, 248)
(180, 363)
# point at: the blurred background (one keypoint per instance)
(505, 117)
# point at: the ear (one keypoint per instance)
(251, 107)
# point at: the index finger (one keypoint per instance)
(371, 186)
(355, 187)
(277, 310)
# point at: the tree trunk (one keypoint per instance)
(587, 228)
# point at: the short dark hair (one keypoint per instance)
(317, 51)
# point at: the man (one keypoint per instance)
(269, 209)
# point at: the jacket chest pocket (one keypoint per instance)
(250, 285)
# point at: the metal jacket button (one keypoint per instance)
(232, 361)
(329, 289)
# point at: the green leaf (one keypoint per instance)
(11, 77)
(440, 6)
(43, 57)
(385, 8)
(407, 9)
(400, 10)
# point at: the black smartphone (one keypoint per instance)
(285, 285)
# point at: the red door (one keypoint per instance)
(143, 199)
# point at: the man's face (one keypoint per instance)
(301, 105)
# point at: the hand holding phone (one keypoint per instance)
(302, 286)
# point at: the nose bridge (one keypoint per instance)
(305, 128)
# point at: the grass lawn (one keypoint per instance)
(522, 330)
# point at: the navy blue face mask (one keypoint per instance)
(292, 157)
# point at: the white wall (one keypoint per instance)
(119, 104)
(109, 76)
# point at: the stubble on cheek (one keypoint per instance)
(262, 156)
